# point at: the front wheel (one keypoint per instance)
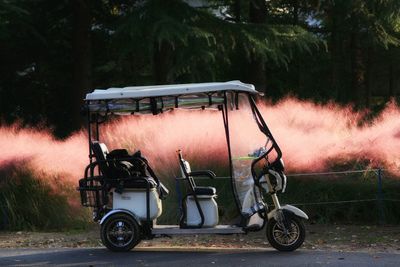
(120, 232)
(286, 239)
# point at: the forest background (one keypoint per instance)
(324, 51)
(53, 52)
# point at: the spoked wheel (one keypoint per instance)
(120, 232)
(286, 239)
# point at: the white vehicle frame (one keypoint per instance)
(123, 227)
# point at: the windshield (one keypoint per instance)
(250, 139)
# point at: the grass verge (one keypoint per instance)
(30, 202)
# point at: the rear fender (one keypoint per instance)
(122, 211)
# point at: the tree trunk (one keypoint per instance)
(237, 8)
(256, 74)
(295, 12)
(257, 11)
(335, 52)
(368, 73)
(82, 59)
(296, 62)
(392, 91)
(357, 71)
(162, 63)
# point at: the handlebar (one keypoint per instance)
(255, 161)
(276, 164)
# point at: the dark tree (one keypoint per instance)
(82, 58)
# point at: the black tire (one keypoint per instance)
(286, 242)
(120, 232)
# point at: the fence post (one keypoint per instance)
(381, 214)
(4, 222)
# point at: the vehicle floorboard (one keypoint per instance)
(176, 230)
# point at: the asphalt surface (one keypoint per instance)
(177, 258)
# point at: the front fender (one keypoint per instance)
(296, 211)
(120, 211)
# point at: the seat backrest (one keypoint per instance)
(186, 170)
(100, 151)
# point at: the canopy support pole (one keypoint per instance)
(225, 117)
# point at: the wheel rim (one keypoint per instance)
(286, 237)
(120, 232)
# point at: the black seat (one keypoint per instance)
(188, 174)
(120, 172)
(196, 192)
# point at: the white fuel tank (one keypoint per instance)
(134, 200)
(208, 206)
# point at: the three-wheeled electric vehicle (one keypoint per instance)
(126, 195)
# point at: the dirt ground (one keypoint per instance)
(319, 237)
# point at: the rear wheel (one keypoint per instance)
(286, 239)
(120, 232)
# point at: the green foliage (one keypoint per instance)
(144, 29)
(307, 49)
(309, 194)
(314, 190)
(9, 13)
(276, 44)
(199, 40)
(34, 66)
(376, 20)
(380, 20)
(30, 203)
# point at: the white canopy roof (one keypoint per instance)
(167, 90)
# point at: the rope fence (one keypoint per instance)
(379, 199)
(379, 193)
(330, 173)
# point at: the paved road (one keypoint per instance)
(154, 257)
